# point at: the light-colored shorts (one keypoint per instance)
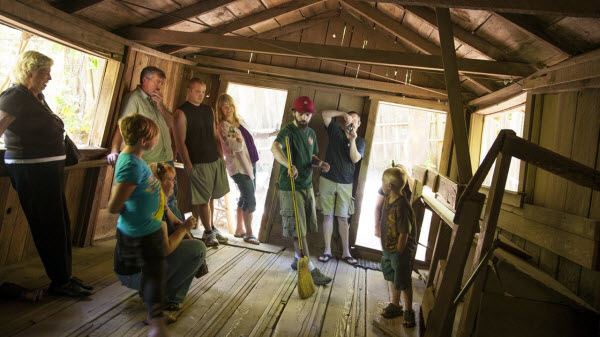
(335, 199)
(208, 181)
(307, 213)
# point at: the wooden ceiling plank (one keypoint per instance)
(393, 27)
(262, 16)
(320, 77)
(191, 11)
(530, 29)
(72, 6)
(379, 57)
(472, 40)
(580, 8)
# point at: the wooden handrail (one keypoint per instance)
(468, 210)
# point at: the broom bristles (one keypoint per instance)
(306, 286)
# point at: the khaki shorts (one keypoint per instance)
(335, 199)
(307, 213)
(208, 181)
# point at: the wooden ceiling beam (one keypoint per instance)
(250, 20)
(270, 34)
(527, 25)
(579, 8)
(263, 16)
(472, 40)
(393, 27)
(408, 36)
(185, 13)
(311, 50)
(72, 6)
(390, 87)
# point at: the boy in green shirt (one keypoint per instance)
(304, 149)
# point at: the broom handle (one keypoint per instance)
(287, 147)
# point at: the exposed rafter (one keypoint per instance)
(397, 88)
(270, 34)
(579, 8)
(72, 6)
(188, 12)
(310, 50)
(474, 41)
(251, 20)
(527, 25)
(406, 35)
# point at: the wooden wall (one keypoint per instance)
(559, 224)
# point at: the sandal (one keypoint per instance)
(350, 260)
(392, 311)
(241, 235)
(325, 257)
(172, 306)
(252, 239)
(409, 318)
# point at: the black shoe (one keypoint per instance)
(80, 283)
(295, 264)
(69, 290)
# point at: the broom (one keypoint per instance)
(306, 286)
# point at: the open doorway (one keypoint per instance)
(262, 110)
(406, 135)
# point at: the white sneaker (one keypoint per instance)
(210, 240)
(220, 237)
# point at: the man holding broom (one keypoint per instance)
(303, 149)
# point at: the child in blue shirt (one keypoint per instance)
(139, 200)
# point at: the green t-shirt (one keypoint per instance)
(303, 144)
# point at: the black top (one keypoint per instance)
(200, 135)
(36, 131)
(341, 168)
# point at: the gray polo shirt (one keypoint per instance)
(137, 101)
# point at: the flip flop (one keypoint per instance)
(252, 239)
(325, 257)
(172, 306)
(240, 235)
(169, 318)
(350, 260)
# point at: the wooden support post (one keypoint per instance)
(488, 229)
(442, 316)
(434, 229)
(442, 243)
(459, 127)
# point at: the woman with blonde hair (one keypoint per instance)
(35, 162)
(240, 158)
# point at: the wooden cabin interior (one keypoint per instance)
(510, 219)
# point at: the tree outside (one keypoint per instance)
(76, 77)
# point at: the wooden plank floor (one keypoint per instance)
(246, 293)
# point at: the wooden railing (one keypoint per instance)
(467, 221)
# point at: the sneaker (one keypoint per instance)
(69, 290)
(295, 264)
(319, 278)
(220, 237)
(210, 240)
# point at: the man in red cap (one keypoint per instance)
(304, 149)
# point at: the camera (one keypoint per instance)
(350, 127)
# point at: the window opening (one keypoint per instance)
(262, 110)
(407, 135)
(72, 93)
(492, 124)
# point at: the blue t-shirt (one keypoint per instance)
(144, 209)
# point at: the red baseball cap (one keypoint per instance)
(303, 104)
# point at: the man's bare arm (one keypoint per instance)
(179, 133)
(277, 150)
(328, 115)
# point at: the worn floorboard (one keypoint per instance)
(247, 292)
